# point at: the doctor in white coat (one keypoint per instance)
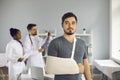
(14, 53)
(34, 46)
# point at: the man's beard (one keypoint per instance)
(69, 33)
(34, 34)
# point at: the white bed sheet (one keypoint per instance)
(107, 67)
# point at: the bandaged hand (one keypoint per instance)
(81, 68)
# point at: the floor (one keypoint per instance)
(3, 73)
(96, 74)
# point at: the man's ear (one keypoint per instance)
(29, 31)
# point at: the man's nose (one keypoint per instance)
(70, 25)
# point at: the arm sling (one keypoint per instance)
(57, 65)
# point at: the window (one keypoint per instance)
(115, 30)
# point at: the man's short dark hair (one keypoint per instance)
(30, 26)
(67, 15)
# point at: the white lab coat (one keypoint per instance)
(35, 58)
(14, 51)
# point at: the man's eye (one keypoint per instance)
(66, 23)
(73, 23)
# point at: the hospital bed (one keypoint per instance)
(109, 68)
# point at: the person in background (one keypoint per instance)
(62, 47)
(34, 46)
(14, 53)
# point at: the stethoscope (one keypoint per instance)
(30, 39)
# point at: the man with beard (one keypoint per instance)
(62, 47)
(34, 46)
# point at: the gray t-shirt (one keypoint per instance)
(60, 47)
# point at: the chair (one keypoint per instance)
(37, 73)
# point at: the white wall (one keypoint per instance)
(92, 14)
